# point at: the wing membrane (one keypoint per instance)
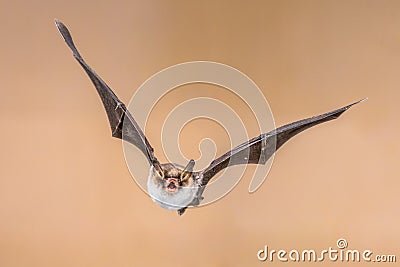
(259, 149)
(123, 125)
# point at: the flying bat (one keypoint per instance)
(173, 186)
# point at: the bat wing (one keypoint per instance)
(259, 149)
(122, 124)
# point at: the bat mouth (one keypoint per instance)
(172, 185)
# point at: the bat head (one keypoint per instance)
(173, 186)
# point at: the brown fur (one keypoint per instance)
(172, 170)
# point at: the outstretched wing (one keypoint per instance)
(121, 121)
(259, 149)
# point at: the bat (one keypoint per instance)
(173, 186)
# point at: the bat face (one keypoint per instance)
(172, 188)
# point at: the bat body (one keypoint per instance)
(174, 191)
(173, 186)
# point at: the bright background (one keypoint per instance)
(66, 196)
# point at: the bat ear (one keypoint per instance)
(188, 170)
(189, 166)
(159, 170)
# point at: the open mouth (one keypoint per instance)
(172, 184)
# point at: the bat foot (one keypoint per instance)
(182, 211)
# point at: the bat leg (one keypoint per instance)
(197, 200)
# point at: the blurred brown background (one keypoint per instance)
(66, 196)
